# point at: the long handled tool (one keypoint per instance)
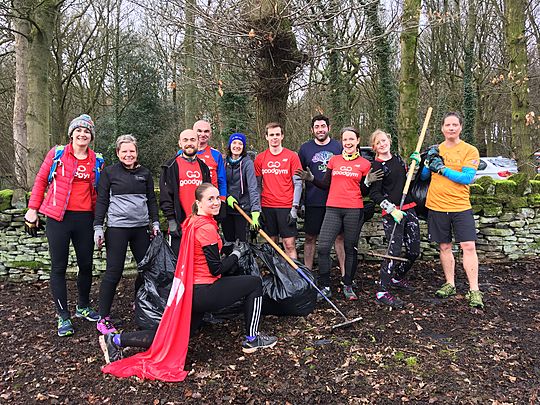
(406, 187)
(300, 271)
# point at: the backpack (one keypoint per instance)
(59, 151)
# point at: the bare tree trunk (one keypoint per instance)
(190, 91)
(409, 82)
(279, 59)
(387, 94)
(20, 104)
(44, 17)
(469, 94)
(516, 43)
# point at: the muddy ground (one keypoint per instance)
(432, 351)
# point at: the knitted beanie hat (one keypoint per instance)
(237, 137)
(82, 121)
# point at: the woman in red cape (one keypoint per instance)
(198, 287)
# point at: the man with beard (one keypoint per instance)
(315, 154)
(180, 176)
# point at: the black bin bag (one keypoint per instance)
(418, 192)
(157, 268)
(285, 291)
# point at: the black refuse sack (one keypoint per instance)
(157, 268)
(285, 291)
(418, 192)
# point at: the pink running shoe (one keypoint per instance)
(105, 326)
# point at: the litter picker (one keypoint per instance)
(406, 189)
(347, 321)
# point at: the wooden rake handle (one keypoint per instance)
(418, 147)
(267, 238)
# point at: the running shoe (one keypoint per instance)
(111, 350)
(446, 290)
(105, 326)
(475, 299)
(87, 313)
(402, 284)
(327, 293)
(261, 341)
(389, 300)
(349, 293)
(65, 327)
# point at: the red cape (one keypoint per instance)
(165, 359)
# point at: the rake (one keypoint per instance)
(347, 321)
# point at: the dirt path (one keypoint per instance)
(433, 351)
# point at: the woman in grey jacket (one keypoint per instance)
(126, 197)
(241, 189)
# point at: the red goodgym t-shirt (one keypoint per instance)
(204, 236)
(80, 198)
(345, 184)
(277, 172)
(189, 178)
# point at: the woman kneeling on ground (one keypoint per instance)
(198, 287)
(126, 196)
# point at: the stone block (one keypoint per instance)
(489, 220)
(497, 232)
(505, 187)
(492, 210)
(517, 224)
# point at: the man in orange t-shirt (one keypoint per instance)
(452, 166)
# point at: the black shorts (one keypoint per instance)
(275, 222)
(441, 226)
(313, 220)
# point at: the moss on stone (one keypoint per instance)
(5, 199)
(484, 181)
(535, 186)
(476, 189)
(492, 210)
(522, 182)
(25, 265)
(518, 202)
(533, 200)
(505, 188)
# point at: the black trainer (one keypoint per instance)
(260, 342)
(402, 284)
(110, 349)
(389, 300)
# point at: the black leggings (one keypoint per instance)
(212, 297)
(234, 227)
(350, 219)
(116, 241)
(407, 233)
(77, 228)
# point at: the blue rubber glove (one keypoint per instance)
(436, 165)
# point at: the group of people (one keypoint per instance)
(201, 188)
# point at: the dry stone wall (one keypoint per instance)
(507, 215)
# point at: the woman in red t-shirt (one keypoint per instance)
(344, 209)
(68, 201)
(211, 290)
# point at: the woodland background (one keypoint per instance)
(152, 68)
